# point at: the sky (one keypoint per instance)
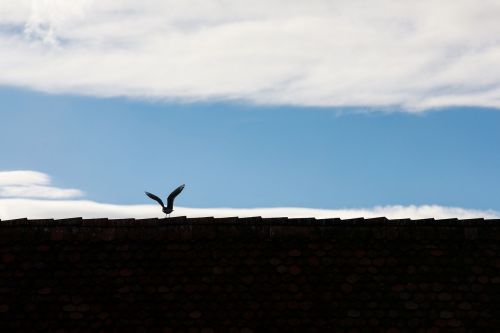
(272, 108)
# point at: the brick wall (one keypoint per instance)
(249, 275)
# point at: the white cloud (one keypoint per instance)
(23, 177)
(19, 185)
(32, 184)
(415, 54)
(35, 191)
(20, 208)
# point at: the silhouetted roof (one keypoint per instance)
(244, 220)
(249, 275)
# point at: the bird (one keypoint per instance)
(170, 200)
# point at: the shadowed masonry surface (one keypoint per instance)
(249, 275)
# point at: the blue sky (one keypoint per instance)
(331, 107)
(239, 155)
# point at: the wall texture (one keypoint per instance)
(249, 275)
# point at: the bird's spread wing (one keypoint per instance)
(155, 198)
(171, 197)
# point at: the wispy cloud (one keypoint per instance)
(32, 184)
(20, 208)
(23, 178)
(414, 54)
(24, 186)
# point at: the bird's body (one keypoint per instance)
(170, 200)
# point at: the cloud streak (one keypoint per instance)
(20, 208)
(24, 188)
(23, 178)
(414, 55)
(32, 184)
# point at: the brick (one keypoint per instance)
(126, 271)
(7, 258)
(195, 314)
(45, 291)
(243, 275)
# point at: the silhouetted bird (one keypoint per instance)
(170, 200)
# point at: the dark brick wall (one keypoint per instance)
(249, 275)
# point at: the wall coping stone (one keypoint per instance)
(184, 228)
